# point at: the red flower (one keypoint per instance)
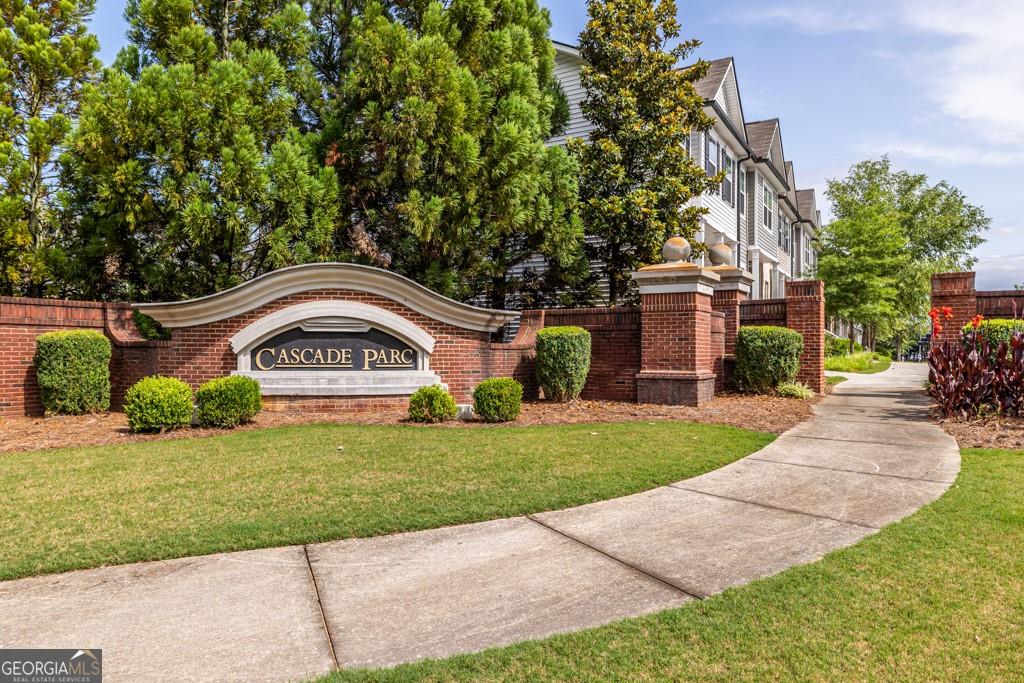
(977, 320)
(948, 312)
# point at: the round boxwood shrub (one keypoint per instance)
(432, 404)
(156, 404)
(563, 361)
(498, 399)
(228, 402)
(766, 357)
(73, 371)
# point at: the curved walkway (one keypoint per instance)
(868, 458)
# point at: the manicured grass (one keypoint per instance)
(834, 380)
(937, 597)
(865, 362)
(85, 507)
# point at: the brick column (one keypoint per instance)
(733, 289)
(956, 290)
(677, 364)
(805, 313)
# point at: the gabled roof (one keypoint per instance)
(709, 86)
(807, 205)
(760, 135)
(791, 181)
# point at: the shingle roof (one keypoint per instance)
(760, 135)
(709, 86)
(807, 205)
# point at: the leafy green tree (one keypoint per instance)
(186, 173)
(938, 230)
(437, 136)
(637, 176)
(46, 56)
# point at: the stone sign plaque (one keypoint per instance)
(357, 349)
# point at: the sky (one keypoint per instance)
(938, 85)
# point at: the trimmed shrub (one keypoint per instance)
(767, 357)
(73, 371)
(156, 404)
(432, 404)
(498, 399)
(794, 390)
(995, 331)
(228, 401)
(563, 361)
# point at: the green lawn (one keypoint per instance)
(937, 597)
(86, 507)
(865, 362)
(834, 380)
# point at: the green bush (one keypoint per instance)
(863, 362)
(836, 346)
(73, 371)
(794, 390)
(996, 331)
(432, 404)
(228, 402)
(498, 399)
(767, 357)
(149, 328)
(156, 404)
(563, 361)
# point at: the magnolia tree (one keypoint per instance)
(637, 176)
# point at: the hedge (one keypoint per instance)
(766, 357)
(156, 404)
(432, 404)
(73, 371)
(563, 361)
(498, 399)
(995, 331)
(228, 402)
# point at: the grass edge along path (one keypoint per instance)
(863, 363)
(938, 596)
(92, 506)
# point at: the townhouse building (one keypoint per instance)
(758, 211)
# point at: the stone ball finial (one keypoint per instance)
(676, 249)
(720, 254)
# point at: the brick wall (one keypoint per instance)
(24, 319)
(462, 358)
(763, 312)
(958, 291)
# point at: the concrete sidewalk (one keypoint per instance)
(868, 458)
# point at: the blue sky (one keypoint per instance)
(936, 84)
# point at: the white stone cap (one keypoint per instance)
(296, 279)
(673, 278)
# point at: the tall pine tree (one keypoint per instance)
(187, 174)
(637, 176)
(46, 56)
(437, 135)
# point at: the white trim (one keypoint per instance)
(296, 279)
(330, 312)
(684, 287)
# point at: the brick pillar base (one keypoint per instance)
(805, 313)
(677, 364)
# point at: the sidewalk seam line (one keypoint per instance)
(776, 507)
(652, 575)
(873, 443)
(320, 607)
(840, 469)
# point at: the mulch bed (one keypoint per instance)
(758, 413)
(990, 432)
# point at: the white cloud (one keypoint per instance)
(972, 68)
(1000, 272)
(964, 155)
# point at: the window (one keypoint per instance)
(686, 145)
(769, 205)
(712, 155)
(741, 190)
(727, 166)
